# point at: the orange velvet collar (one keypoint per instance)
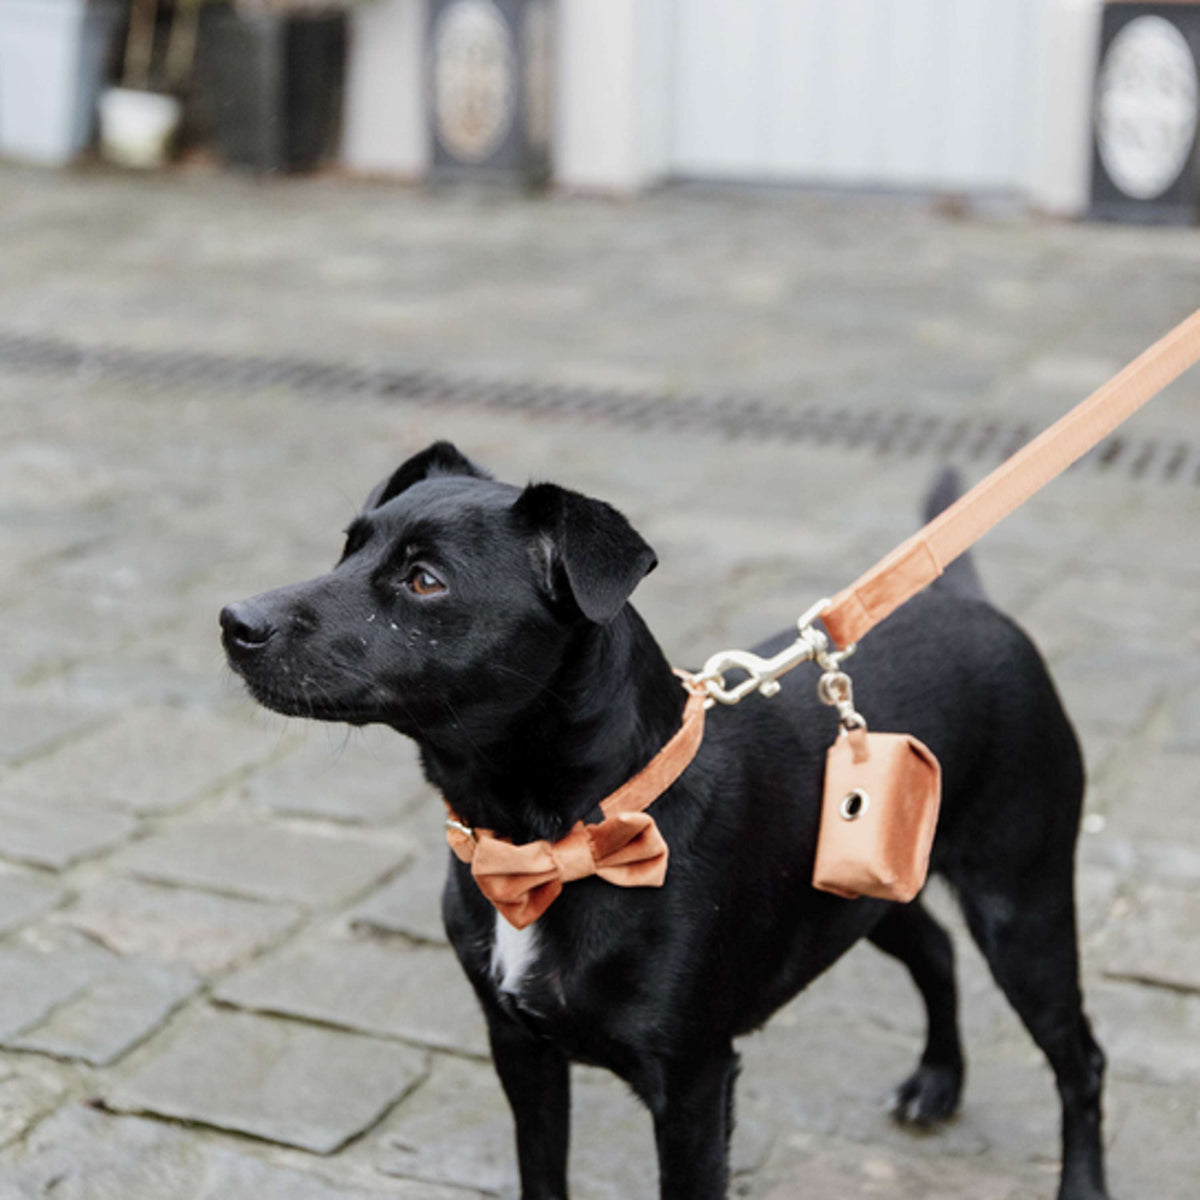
(625, 848)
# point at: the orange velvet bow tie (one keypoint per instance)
(625, 848)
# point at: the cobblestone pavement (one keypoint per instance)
(222, 974)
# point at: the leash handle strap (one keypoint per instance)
(919, 560)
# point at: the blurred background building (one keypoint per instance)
(987, 96)
(974, 98)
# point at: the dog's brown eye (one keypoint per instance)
(424, 582)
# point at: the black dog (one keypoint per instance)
(490, 623)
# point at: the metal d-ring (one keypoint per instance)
(451, 823)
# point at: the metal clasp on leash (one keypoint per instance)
(451, 823)
(835, 689)
(762, 674)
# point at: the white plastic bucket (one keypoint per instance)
(136, 128)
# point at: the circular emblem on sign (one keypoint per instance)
(474, 80)
(1146, 98)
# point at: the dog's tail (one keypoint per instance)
(961, 575)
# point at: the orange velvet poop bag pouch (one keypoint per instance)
(878, 816)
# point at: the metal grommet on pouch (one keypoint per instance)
(854, 804)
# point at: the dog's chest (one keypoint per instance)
(514, 953)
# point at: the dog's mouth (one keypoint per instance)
(314, 704)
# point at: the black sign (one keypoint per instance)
(488, 73)
(1147, 101)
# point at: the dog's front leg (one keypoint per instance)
(693, 1121)
(536, 1077)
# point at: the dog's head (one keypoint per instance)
(455, 599)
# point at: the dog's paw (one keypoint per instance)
(931, 1093)
(1083, 1185)
(1084, 1193)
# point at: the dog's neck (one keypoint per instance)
(612, 705)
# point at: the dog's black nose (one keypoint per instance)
(244, 628)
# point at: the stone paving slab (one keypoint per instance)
(94, 605)
(100, 1023)
(1089, 610)
(1156, 798)
(25, 896)
(417, 993)
(47, 480)
(308, 866)
(35, 981)
(820, 1168)
(1096, 892)
(1114, 689)
(365, 776)
(28, 1090)
(410, 904)
(33, 831)
(1151, 1035)
(474, 1149)
(1175, 863)
(76, 1001)
(149, 761)
(209, 933)
(43, 635)
(1184, 719)
(82, 1154)
(142, 674)
(1154, 937)
(1100, 752)
(1148, 1122)
(280, 1080)
(28, 728)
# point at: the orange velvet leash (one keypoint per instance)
(919, 560)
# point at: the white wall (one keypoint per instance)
(384, 130)
(1061, 153)
(955, 95)
(909, 93)
(613, 93)
(971, 95)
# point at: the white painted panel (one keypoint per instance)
(969, 83)
(385, 127)
(988, 71)
(793, 81)
(614, 94)
(854, 41)
(1060, 112)
(718, 50)
(916, 93)
(911, 135)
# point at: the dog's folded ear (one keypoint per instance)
(442, 458)
(602, 557)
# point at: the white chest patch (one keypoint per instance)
(513, 953)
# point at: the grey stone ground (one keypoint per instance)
(221, 971)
